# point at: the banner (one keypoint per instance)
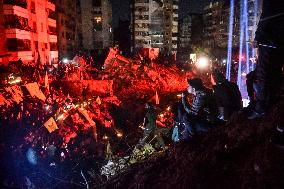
(50, 125)
(34, 91)
(86, 115)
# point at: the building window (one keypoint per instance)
(53, 46)
(14, 44)
(98, 23)
(21, 3)
(98, 19)
(97, 3)
(33, 7)
(36, 46)
(34, 27)
(52, 30)
(13, 21)
(52, 15)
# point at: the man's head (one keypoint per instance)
(195, 84)
(217, 77)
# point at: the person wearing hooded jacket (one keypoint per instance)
(227, 95)
(270, 42)
(201, 113)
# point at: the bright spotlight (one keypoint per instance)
(202, 63)
(224, 61)
(65, 60)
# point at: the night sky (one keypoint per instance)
(121, 8)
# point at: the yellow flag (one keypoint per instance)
(157, 98)
(86, 115)
(35, 91)
(98, 100)
(50, 125)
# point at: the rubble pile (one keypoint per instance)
(138, 79)
(56, 125)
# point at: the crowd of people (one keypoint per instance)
(263, 84)
(208, 108)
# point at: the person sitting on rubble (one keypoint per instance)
(151, 127)
(202, 113)
(227, 95)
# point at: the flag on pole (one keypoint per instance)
(92, 123)
(46, 84)
(50, 125)
(98, 100)
(157, 98)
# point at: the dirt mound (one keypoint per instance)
(236, 155)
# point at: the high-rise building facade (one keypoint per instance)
(190, 35)
(28, 31)
(216, 25)
(216, 22)
(69, 27)
(170, 25)
(96, 24)
(254, 12)
(185, 32)
(155, 24)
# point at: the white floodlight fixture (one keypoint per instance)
(202, 63)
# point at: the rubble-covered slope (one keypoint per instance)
(236, 155)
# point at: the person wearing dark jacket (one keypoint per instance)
(151, 127)
(201, 112)
(251, 83)
(270, 41)
(226, 94)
